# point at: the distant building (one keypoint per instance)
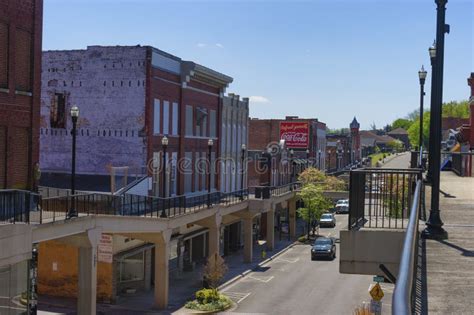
(370, 140)
(402, 135)
(344, 148)
(20, 87)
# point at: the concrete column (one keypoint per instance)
(292, 217)
(162, 253)
(162, 257)
(248, 239)
(87, 274)
(214, 239)
(270, 229)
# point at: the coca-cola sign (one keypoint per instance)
(295, 134)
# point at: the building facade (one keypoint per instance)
(20, 65)
(344, 148)
(129, 97)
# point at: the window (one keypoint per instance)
(212, 124)
(3, 55)
(166, 117)
(189, 120)
(175, 119)
(201, 122)
(23, 60)
(58, 111)
(132, 267)
(156, 117)
(188, 171)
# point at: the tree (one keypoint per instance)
(315, 204)
(214, 270)
(456, 109)
(414, 131)
(402, 123)
(395, 145)
(317, 177)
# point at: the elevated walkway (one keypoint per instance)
(449, 268)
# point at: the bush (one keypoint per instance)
(302, 239)
(209, 300)
(206, 296)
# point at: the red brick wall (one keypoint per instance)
(20, 34)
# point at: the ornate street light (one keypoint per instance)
(74, 117)
(242, 186)
(164, 144)
(210, 143)
(422, 75)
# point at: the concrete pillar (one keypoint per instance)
(248, 239)
(270, 229)
(292, 217)
(162, 257)
(87, 274)
(214, 239)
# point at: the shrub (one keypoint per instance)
(302, 239)
(206, 296)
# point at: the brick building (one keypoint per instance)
(129, 98)
(20, 63)
(344, 148)
(305, 137)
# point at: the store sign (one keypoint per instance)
(295, 134)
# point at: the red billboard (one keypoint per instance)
(295, 134)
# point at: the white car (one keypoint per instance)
(327, 219)
(342, 202)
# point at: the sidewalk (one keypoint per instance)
(449, 263)
(181, 288)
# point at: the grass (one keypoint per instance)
(375, 158)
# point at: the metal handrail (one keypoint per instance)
(402, 294)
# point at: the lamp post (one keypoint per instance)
(164, 144)
(432, 51)
(292, 167)
(434, 229)
(307, 158)
(329, 161)
(74, 117)
(319, 159)
(210, 143)
(243, 148)
(422, 75)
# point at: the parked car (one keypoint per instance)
(327, 219)
(342, 202)
(323, 247)
(342, 209)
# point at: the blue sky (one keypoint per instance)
(326, 59)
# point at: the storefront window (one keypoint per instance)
(132, 268)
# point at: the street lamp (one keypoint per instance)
(243, 148)
(319, 159)
(164, 144)
(422, 75)
(432, 52)
(307, 158)
(329, 161)
(210, 143)
(434, 229)
(74, 117)
(292, 167)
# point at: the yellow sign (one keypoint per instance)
(376, 292)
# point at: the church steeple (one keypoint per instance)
(355, 124)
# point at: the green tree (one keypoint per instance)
(315, 204)
(414, 131)
(314, 176)
(456, 109)
(402, 123)
(395, 145)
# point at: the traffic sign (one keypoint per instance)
(379, 279)
(376, 291)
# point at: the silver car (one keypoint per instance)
(327, 219)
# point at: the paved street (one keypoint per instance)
(400, 161)
(293, 284)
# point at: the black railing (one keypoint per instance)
(59, 208)
(284, 189)
(381, 198)
(17, 205)
(462, 163)
(403, 299)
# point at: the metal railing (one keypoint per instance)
(284, 189)
(403, 299)
(462, 163)
(381, 198)
(16, 205)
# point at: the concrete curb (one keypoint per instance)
(261, 264)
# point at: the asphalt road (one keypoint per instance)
(293, 284)
(400, 161)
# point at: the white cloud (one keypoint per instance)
(219, 45)
(201, 45)
(259, 99)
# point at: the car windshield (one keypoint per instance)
(323, 241)
(326, 216)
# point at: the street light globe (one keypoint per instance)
(210, 143)
(292, 152)
(164, 141)
(432, 50)
(422, 73)
(307, 151)
(244, 147)
(75, 111)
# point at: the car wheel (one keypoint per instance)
(334, 255)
